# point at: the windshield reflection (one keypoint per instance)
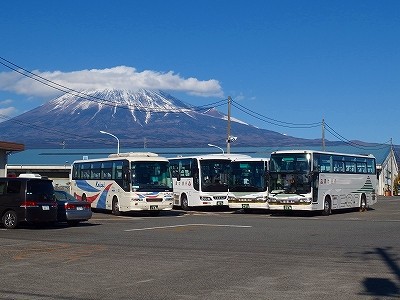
(290, 174)
(151, 175)
(247, 176)
(214, 175)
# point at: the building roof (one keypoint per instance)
(61, 157)
(8, 146)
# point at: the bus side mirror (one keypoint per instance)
(127, 175)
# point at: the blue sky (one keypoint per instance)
(296, 62)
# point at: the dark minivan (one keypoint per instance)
(29, 198)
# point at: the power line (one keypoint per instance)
(93, 98)
(191, 108)
(273, 121)
(354, 144)
(61, 134)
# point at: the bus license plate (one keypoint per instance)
(220, 203)
(287, 207)
(45, 207)
(245, 205)
(153, 207)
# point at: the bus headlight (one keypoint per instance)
(305, 200)
(261, 199)
(231, 198)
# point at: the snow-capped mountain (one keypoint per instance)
(154, 118)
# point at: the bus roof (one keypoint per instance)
(131, 156)
(226, 156)
(134, 154)
(264, 159)
(321, 152)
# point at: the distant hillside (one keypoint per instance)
(143, 117)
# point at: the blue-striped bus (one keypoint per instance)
(124, 182)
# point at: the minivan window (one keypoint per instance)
(3, 187)
(42, 189)
(14, 186)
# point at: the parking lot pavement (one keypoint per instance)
(208, 255)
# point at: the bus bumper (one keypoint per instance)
(247, 205)
(152, 206)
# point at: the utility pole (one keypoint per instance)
(392, 162)
(228, 139)
(323, 134)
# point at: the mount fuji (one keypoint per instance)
(138, 118)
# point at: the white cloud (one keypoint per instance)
(5, 102)
(120, 77)
(7, 112)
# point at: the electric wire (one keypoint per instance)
(354, 144)
(62, 134)
(273, 121)
(191, 108)
(81, 94)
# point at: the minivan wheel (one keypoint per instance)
(10, 219)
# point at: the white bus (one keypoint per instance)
(321, 181)
(124, 182)
(248, 186)
(200, 180)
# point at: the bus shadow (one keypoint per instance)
(254, 211)
(168, 213)
(383, 287)
(161, 213)
(299, 213)
(204, 209)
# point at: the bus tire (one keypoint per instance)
(10, 219)
(115, 207)
(184, 202)
(327, 210)
(363, 203)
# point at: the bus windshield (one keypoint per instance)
(214, 175)
(290, 173)
(247, 176)
(151, 175)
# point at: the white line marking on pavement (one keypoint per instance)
(187, 225)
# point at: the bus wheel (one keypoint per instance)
(10, 219)
(327, 207)
(184, 203)
(363, 204)
(115, 207)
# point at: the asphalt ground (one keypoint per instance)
(208, 255)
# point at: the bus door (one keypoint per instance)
(314, 177)
(195, 174)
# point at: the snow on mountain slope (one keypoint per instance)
(77, 118)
